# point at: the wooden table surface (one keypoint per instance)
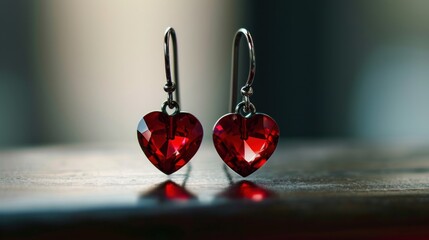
(306, 190)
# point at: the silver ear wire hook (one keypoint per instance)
(246, 90)
(171, 86)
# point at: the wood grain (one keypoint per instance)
(309, 189)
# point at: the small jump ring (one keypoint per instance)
(241, 109)
(171, 105)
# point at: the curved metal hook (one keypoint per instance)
(235, 52)
(171, 86)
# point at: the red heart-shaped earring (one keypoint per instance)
(169, 141)
(245, 139)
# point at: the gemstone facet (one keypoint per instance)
(245, 143)
(169, 142)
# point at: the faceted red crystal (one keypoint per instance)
(245, 144)
(169, 142)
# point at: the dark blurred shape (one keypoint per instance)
(342, 69)
(18, 98)
(287, 36)
(169, 191)
(246, 190)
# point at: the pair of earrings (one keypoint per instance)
(244, 139)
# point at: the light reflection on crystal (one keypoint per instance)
(169, 155)
(245, 156)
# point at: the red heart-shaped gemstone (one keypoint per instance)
(169, 142)
(245, 143)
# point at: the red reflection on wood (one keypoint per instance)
(169, 191)
(247, 190)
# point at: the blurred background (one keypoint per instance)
(87, 71)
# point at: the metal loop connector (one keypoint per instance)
(245, 111)
(174, 105)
